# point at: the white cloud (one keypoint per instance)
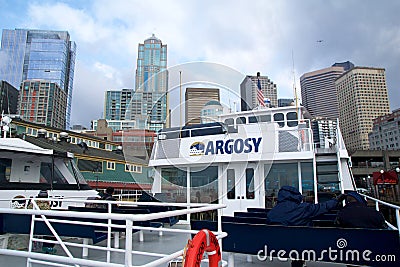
(249, 36)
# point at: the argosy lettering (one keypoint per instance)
(230, 146)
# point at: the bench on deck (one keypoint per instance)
(250, 214)
(330, 244)
(266, 210)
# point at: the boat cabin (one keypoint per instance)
(243, 159)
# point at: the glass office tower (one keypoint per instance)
(149, 105)
(39, 54)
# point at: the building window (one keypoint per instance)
(90, 165)
(110, 165)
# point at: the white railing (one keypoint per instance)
(392, 206)
(75, 218)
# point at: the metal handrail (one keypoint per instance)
(397, 210)
(57, 260)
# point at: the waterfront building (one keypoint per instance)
(362, 97)
(318, 90)
(115, 125)
(249, 91)
(43, 102)
(8, 98)
(39, 54)
(136, 142)
(195, 99)
(102, 162)
(385, 134)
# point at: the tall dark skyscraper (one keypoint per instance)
(318, 92)
(39, 55)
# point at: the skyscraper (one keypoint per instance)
(362, 97)
(249, 90)
(195, 99)
(318, 90)
(39, 54)
(8, 98)
(42, 102)
(149, 104)
(151, 71)
(117, 103)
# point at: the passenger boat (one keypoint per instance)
(26, 169)
(243, 159)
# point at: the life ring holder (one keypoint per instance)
(203, 241)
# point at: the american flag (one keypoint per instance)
(260, 95)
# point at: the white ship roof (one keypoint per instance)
(16, 144)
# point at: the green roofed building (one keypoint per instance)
(101, 162)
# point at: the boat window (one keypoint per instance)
(307, 181)
(241, 120)
(230, 173)
(46, 174)
(253, 119)
(279, 118)
(229, 121)
(328, 180)
(5, 170)
(75, 171)
(204, 184)
(173, 185)
(249, 183)
(264, 118)
(291, 118)
(276, 176)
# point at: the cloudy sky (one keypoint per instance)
(247, 36)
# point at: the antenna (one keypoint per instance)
(296, 99)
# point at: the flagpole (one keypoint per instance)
(260, 95)
(180, 98)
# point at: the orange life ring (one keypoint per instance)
(203, 241)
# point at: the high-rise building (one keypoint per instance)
(195, 99)
(324, 132)
(8, 98)
(249, 90)
(318, 90)
(149, 104)
(43, 102)
(151, 71)
(385, 134)
(39, 54)
(362, 97)
(116, 103)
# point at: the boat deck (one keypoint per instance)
(166, 244)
